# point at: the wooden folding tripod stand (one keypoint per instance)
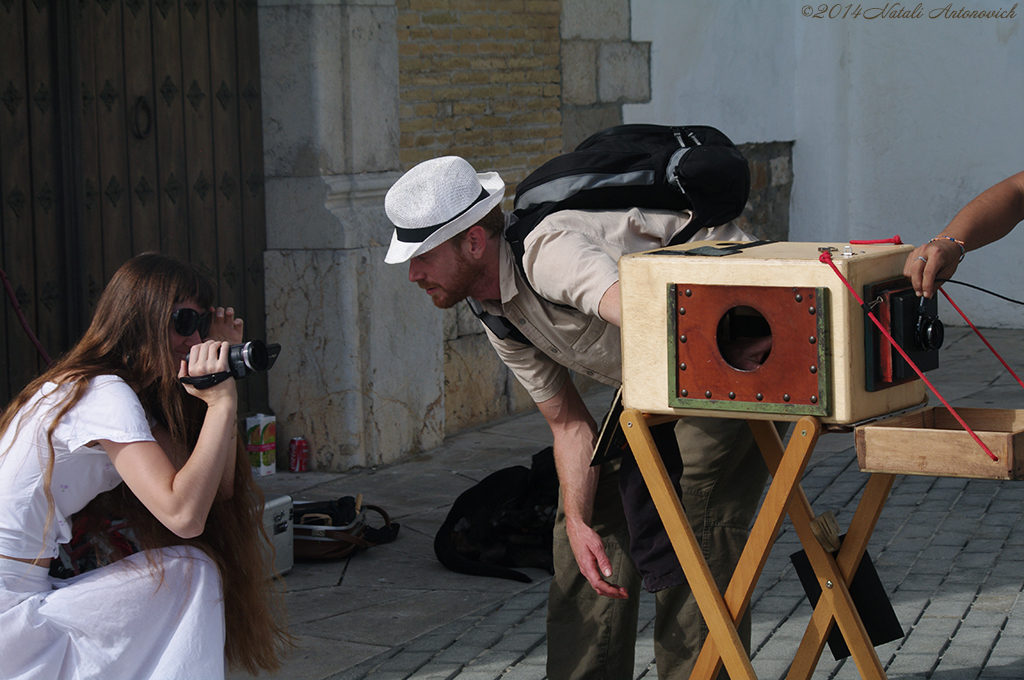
(785, 494)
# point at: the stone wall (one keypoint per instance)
(355, 92)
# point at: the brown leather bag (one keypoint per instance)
(334, 530)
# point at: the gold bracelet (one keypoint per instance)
(963, 249)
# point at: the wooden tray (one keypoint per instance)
(931, 442)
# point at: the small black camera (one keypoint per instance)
(243, 360)
(915, 327)
(250, 357)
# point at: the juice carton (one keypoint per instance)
(261, 443)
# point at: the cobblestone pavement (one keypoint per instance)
(949, 551)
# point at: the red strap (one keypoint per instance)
(993, 349)
(895, 240)
(826, 257)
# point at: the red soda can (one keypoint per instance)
(298, 454)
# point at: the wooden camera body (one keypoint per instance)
(686, 309)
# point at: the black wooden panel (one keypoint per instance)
(201, 180)
(170, 129)
(18, 256)
(89, 232)
(111, 124)
(140, 135)
(253, 226)
(126, 126)
(48, 217)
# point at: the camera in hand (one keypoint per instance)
(243, 360)
(250, 357)
(915, 327)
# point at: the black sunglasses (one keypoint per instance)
(188, 321)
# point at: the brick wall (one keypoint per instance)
(480, 79)
(507, 84)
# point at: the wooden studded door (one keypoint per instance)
(126, 126)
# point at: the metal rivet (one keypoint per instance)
(688, 293)
(785, 397)
(682, 312)
(828, 584)
(732, 395)
(812, 310)
(813, 339)
(799, 298)
(683, 393)
(682, 338)
(682, 367)
(814, 369)
(629, 424)
(708, 394)
(760, 397)
(814, 400)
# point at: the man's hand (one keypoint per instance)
(588, 548)
(575, 432)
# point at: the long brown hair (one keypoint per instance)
(128, 337)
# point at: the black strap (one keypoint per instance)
(205, 382)
(686, 234)
(499, 325)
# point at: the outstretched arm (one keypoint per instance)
(989, 217)
(574, 433)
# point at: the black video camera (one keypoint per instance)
(243, 360)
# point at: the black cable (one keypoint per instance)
(983, 290)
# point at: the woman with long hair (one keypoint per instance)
(111, 426)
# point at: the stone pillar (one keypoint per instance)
(361, 367)
(602, 69)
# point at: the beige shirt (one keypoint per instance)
(571, 258)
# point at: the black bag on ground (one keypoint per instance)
(502, 522)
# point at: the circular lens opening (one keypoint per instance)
(744, 338)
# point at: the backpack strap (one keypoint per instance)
(499, 325)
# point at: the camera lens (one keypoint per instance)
(930, 333)
(251, 355)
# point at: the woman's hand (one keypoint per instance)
(225, 326)
(208, 358)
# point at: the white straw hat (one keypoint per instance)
(436, 200)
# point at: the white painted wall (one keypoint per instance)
(898, 122)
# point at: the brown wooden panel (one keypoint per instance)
(227, 165)
(224, 120)
(115, 184)
(201, 180)
(47, 185)
(140, 133)
(170, 129)
(18, 259)
(253, 227)
(89, 186)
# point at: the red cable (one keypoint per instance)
(21, 318)
(1005, 365)
(826, 257)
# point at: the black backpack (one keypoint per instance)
(690, 167)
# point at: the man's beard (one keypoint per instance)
(461, 281)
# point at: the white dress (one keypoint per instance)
(118, 621)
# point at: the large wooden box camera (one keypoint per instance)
(685, 307)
